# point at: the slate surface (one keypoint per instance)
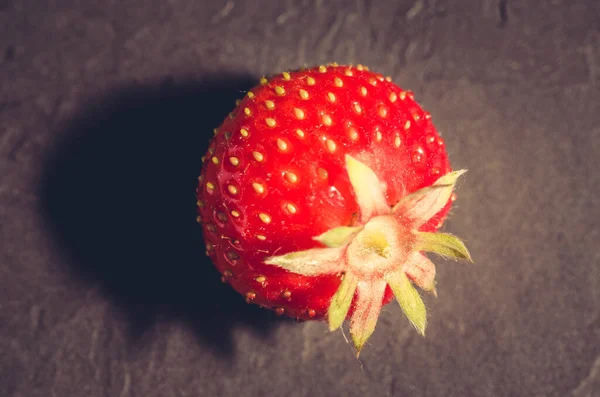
(106, 108)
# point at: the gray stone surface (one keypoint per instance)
(106, 108)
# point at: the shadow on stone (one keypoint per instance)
(119, 195)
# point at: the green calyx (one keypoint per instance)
(386, 248)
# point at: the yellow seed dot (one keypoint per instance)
(331, 97)
(203, 158)
(237, 102)
(360, 67)
(322, 69)
(393, 97)
(363, 91)
(357, 108)
(348, 72)
(269, 104)
(247, 111)
(279, 90)
(330, 145)
(291, 177)
(397, 141)
(199, 219)
(234, 161)
(250, 295)
(258, 188)
(265, 218)
(322, 172)
(416, 116)
(281, 144)
(244, 132)
(235, 214)
(258, 156)
(250, 95)
(327, 119)
(261, 237)
(378, 136)
(286, 75)
(270, 122)
(263, 80)
(382, 110)
(209, 246)
(407, 125)
(388, 79)
(227, 135)
(210, 187)
(372, 81)
(211, 228)
(300, 133)
(232, 189)
(200, 203)
(402, 95)
(338, 82)
(215, 160)
(303, 94)
(215, 131)
(299, 113)
(353, 133)
(310, 81)
(260, 279)
(291, 208)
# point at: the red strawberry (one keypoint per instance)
(319, 194)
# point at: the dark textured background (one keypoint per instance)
(105, 111)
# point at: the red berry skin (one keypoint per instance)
(274, 175)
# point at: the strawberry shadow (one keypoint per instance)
(119, 197)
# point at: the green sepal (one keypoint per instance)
(409, 300)
(423, 204)
(367, 189)
(444, 244)
(338, 236)
(312, 262)
(366, 313)
(341, 301)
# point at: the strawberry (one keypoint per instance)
(321, 191)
